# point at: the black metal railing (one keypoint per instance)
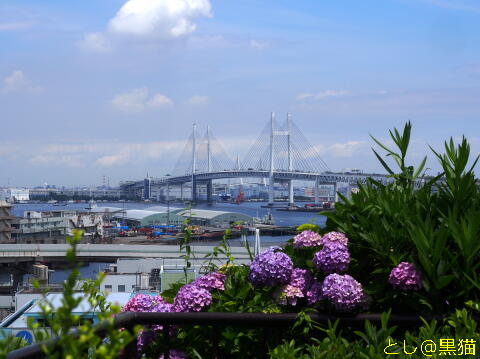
(249, 320)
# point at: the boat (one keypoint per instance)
(91, 205)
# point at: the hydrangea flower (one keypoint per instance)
(297, 288)
(307, 239)
(175, 354)
(142, 303)
(191, 298)
(270, 268)
(344, 292)
(332, 258)
(334, 237)
(211, 281)
(405, 277)
(314, 292)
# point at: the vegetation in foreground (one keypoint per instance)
(411, 246)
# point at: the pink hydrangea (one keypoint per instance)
(296, 288)
(210, 281)
(334, 237)
(307, 239)
(191, 298)
(405, 277)
(142, 303)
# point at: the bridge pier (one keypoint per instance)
(181, 191)
(209, 192)
(271, 189)
(317, 192)
(291, 201)
(194, 190)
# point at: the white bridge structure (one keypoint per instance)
(281, 154)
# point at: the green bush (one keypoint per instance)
(433, 222)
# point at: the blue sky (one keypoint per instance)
(112, 87)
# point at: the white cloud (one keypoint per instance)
(159, 100)
(149, 19)
(159, 18)
(197, 100)
(111, 160)
(257, 45)
(18, 82)
(139, 100)
(347, 149)
(321, 95)
(95, 42)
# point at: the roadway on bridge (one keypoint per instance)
(56, 252)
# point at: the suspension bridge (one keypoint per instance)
(281, 154)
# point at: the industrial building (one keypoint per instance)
(142, 218)
(54, 226)
(14, 194)
(203, 217)
(5, 222)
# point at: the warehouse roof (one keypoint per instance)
(164, 209)
(207, 214)
(139, 214)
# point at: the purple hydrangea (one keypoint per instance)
(175, 354)
(405, 277)
(191, 298)
(333, 258)
(314, 292)
(307, 239)
(297, 288)
(270, 268)
(210, 281)
(142, 303)
(334, 237)
(344, 292)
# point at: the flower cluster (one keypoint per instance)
(211, 281)
(334, 237)
(147, 303)
(405, 277)
(333, 258)
(191, 298)
(143, 303)
(297, 287)
(307, 239)
(270, 268)
(344, 292)
(314, 292)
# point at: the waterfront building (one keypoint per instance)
(77, 193)
(142, 218)
(5, 222)
(14, 194)
(54, 226)
(209, 218)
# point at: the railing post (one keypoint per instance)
(166, 339)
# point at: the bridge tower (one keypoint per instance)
(194, 163)
(270, 175)
(286, 132)
(209, 169)
(290, 160)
